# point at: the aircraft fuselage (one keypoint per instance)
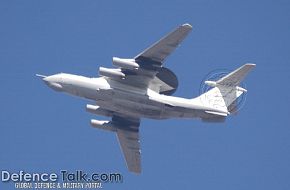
(115, 97)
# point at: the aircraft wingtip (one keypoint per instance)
(187, 25)
(251, 64)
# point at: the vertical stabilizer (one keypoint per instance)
(225, 90)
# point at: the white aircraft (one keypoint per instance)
(141, 87)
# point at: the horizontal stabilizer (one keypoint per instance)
(234, 78)
(216, 113)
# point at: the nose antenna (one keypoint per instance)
(42, 76)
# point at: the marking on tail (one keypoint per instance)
(226, 90)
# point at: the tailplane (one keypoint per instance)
(225, 90)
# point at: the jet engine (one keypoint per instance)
(98, 111)
(125, 63)
(101, 124)
(112, 73)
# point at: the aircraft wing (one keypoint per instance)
(165, 46)
(128, 136)
(146, 69)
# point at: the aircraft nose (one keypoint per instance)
(53, 82)
(47, 79)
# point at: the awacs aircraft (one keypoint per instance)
(141, 87)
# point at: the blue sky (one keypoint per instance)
(45, 131)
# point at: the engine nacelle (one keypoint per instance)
(98, 111)
(125, 63)
(112, 73)
(101, 124)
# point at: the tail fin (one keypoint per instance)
(226, 90)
